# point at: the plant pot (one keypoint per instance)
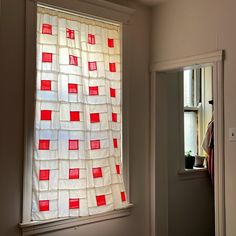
(189, 162)
(199, 161)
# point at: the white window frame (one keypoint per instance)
(101, 10)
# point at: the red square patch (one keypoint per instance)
(73, 60)
(44, 174)
(118, 169)
(115, 143)
(44, 144)
(46, 29)
(112, 92)
(95, 144)
(47, 57)
(74, 203)
(70, 34)
(43, 205)
(97, 172)
(91, 39)
(110, 43)
(46, 85)
(114, 117)
(74, 173)
(94, 117)
(46, 115)
(123, 197)
(92, 66)
(74, 116)
(112, 67)
(101, 200)
(73, 144)
(93, 90)
(72, 88)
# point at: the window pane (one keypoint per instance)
(188, 89)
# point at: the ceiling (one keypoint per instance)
(150, 2)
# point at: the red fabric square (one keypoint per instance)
(74, 116)
(115, 143)
(47, 57)
(46, 85)
(73, 144)
(118, 169)
(44, 174)
(123, 197)
(95, 144)
(46, 115)
(92, 66)
(74, 173)
(97, 172)
(114, 117)
(94, 117)
(43, 205)
(70, 34)
(72, 88)
(73, 60)
(112, 92)
(44, 144)
(91, 39)
(101, 200)
(112, 67)
(46, 29)
(74, 203)
(110, 43)
(93, 90)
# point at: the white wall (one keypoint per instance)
(189, 27)
(11, 131)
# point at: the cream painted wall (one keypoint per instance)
(11, 131)
(185, 28)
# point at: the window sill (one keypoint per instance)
(38, 227)
(193, 173)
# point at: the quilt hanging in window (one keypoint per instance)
(77, 169)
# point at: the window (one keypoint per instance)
(77, 168)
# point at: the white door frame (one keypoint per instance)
(216, 60)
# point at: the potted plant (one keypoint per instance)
(189, 160)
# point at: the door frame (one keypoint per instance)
(215, 59)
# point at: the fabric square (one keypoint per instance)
(97, 172)
(112, 92)
(43, 205)
(72, 88)
(92, 65)
(74, 173)
(47, 57)
(112, 67)
(46, 29)
(101, 200)
(74, 203)
(74, 116)
(73, 60)
(70, 34)
(115, 143)
(110, 43)
(73, 144)
(91, 39)
(118, 169)
(123, 197)
(95, 144)
(44, 144)
(93, 90)
(46, 85)
(114, 117)
(44, 174)
(94, 117)
(46, 115)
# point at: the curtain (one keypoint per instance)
(77, 168)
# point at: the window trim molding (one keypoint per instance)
(216, 60)
(102, 10)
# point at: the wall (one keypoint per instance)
(11, 131)
(187, 27)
